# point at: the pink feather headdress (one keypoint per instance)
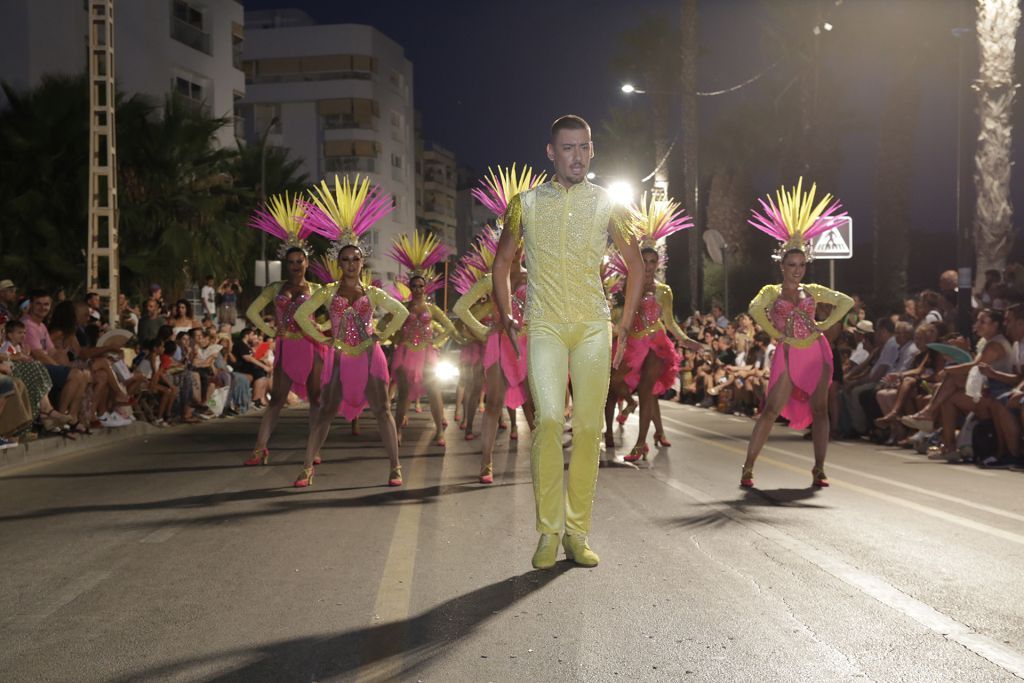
(497, 190)
(344, 214)
(284, 217)
(420, 254)
(794, 219)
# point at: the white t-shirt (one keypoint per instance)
(9, 348)
(209, 296)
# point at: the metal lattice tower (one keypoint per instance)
(101, 251)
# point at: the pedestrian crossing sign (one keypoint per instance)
(836, 242)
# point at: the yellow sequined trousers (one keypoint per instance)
(557, 351)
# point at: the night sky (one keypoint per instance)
(489, 78)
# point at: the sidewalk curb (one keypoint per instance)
(49, 447)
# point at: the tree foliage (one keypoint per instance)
(183, 201)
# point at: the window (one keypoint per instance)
(313, 68)
(188, 89)
(342, 165)
(352, 112)
(396, 161)
(187, 26)
(237, 38)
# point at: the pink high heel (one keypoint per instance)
(260, 456)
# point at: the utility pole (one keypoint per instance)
(691, 131)
(102, 249)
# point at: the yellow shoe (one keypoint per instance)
(547, 552)
(577, 550)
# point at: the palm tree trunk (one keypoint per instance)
(998, 21)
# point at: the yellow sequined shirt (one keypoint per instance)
(565, 234)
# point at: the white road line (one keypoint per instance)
(891, 482)
(160, 535)
(872, 585)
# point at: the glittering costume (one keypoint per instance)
(565, 232)
(802, 352)
(806, 351)
(294, 352)
(416, 348)
(648, 335)
(356, 353)
(496, 345)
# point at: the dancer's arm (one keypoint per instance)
(380, 298)
(758, 310)
(448, 329)
(508, 243)
(841, 303)
(255, 310)
(664, 295)
(304, 315)
(627, 244)
(463, 308)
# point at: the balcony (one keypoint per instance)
(188, 34)
(342, 165)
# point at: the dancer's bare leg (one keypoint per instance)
(436, 405)
(649, 373)
(773, 406)
(377, 396)
(821, 426)
(402, 405)
(330, 399)
(282, 384)
(492, 412)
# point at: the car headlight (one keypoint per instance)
(446, 371)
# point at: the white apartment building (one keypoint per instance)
(193, 47)
(339, 97)
(436, 188)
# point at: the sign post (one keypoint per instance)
(835, 243)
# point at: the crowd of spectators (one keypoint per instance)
(64, 370)
(905, 378)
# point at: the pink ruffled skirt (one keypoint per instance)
(412, 363)
(661, 346)
(499, 350)
(354, 373)
(804, 367)
(295, 357)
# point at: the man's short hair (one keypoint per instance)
(38, 294)
(886, 324)
(12, 325)
(568, 122)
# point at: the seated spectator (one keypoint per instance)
(15, 411)
(931, 304)
(69, 383)
(902, 388)
(248, 364)
(951, 397)
(34, 376)
(864, 338)
(8, 301)
(862, 382)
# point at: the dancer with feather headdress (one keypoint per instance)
(801, 369)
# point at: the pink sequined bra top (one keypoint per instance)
(794, 320)
(351, 323)
(416, 331)
(647, 319)
(285, 308)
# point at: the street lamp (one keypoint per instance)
(263, 196)
(629, 89)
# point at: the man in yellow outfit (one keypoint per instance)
(565, 224)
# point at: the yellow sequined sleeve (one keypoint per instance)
(759, 306)
(463, 307)
(304, 317)
(513, 218)
(664, 298)
(381, 299)
(841, 304)
(255, 311)
(621, 223)
(448, 329)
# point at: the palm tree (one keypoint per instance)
(998, 21)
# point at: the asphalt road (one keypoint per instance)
(161, 559)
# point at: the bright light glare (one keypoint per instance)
(827, 26)
(446, 370)
(628, 88)
(591, 175)
(621, 191)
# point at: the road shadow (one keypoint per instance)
(752, 500)
(281, 500)
(391, 651)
